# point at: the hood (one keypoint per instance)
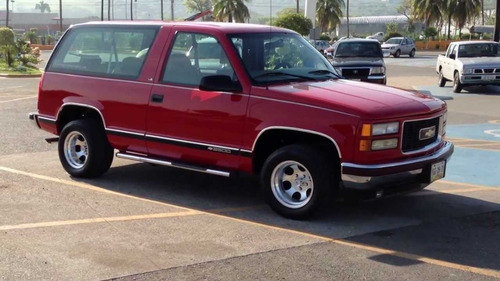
(481, 62)
(358, 61)
(389, 45)
(366, 100)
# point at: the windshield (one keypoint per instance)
(478, 50)
(394, 41)
(359, 49)
(280, 57)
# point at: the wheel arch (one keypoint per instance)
(72, 111)
(272, 138)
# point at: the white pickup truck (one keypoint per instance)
(469, 63)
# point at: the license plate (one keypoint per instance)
(437, 171)
(488, 77)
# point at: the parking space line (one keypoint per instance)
(87, 186)
(25, 98)
(100, 220)
(470, 185)
(188, 212)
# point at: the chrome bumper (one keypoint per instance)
(33, 116)
(410, 171)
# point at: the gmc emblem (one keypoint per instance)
(427, 133)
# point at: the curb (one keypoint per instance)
(20, 75)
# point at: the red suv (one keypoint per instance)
(220, 98)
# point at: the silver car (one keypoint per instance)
(397, 46)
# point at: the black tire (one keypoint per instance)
(84, 150)
(315, 181)
(412, 53)
(397, 54)
(457, 85)
(441, 79)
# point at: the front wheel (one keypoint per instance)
(298, 179)
(397, 54)
(412, 53)
(84, 150)
(441, 79)
(457, 85)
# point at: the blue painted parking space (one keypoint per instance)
(488, 131)
(473, 165)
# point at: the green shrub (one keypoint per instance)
(392, 34)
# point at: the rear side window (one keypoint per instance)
(104, 51)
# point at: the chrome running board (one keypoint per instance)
(157, 161)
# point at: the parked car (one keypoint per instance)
(321, 45)
(379, 36)
(469, 63)
(397, 46)
(275, 109)
(360, 59)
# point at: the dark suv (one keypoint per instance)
(359, 59)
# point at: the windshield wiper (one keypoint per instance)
(324, 71)
(280, 73)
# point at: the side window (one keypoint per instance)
(454, 50)
(194, 56)
(104, 51)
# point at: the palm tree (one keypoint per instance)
(448, 8)
(428, 10)
(42, 6)
(464, 11)
(230, 9)
(328, 13)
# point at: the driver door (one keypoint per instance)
(188, 124)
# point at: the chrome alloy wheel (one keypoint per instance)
(292, 184)
(76, 150)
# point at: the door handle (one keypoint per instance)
(157, 98)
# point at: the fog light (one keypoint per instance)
(384, 144)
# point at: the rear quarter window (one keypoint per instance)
(117, 52)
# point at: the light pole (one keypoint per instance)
(348, 18)
(7, 14)
(497, 22)
(161, 8)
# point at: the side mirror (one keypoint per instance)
(219, 83)
(453, 56)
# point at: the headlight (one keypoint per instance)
(384, 144)
(468, 71)
(385, 128)
(377, 70)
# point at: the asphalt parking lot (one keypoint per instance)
(144, 222)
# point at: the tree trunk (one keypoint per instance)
(449, 26)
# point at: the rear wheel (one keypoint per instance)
(84, 150)
(441, 79)
(457, 85)
(397, 54)
(298, 179)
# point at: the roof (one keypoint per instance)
(473, 42)
(223, 26)
(375, 19)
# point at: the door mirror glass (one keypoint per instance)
(219, 83)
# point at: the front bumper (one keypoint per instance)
(480, 79)
(378, 176)
(33, 116)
